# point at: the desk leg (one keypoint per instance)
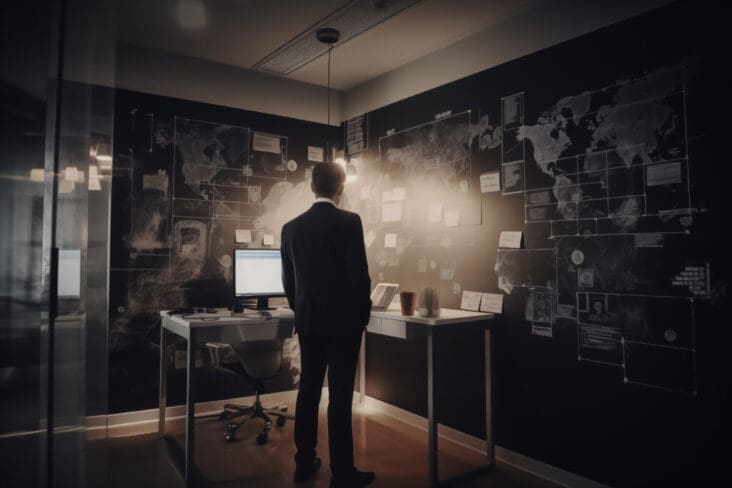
(362, 370)
(489, 445)
(190, 407)
(163, 391)
(431, 414)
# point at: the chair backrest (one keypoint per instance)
(261, 359)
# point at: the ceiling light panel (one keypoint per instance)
(351, 20)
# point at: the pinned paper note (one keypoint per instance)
(399, 193)
(470, 301)
(315, 154)
(422, 265)
(264, 143)
(365, 192)
(510, 239)
(434, 213)
(390, 240)
(242, 236)
(452, 218)
(370, 238)
(490, 182)
(268, 239)
(491, 302)
(391, 212)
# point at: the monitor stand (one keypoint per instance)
(262, 304)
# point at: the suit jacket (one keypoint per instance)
(324, 271)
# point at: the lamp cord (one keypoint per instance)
(330, 48)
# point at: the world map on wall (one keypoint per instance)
(604, 176)
(192, 185)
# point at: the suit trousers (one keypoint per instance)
(339, 354)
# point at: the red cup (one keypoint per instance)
(407, 300)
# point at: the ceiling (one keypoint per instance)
(242, 32)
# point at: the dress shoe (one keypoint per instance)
(355, 479)
(305, 472)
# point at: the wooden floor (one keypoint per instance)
(396, 451)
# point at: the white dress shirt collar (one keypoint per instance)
(323, 199)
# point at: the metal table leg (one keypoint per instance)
(190, 408)
(489, 446)
(163, 393)
(431, 414)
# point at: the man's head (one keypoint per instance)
(329, 180)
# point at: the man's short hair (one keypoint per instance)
(328, 178)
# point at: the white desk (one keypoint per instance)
(193, 329)
(392, 323)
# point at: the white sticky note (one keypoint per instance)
(268, 239)
(365, 192)
(452, 218)
(510, 239)
(265, 143)
(491, 302)
(422, 265)
(447, 273)
(370, 238)
(434, 213)
(69, 273)
(390, 240)
(490, 182)
(66, 186)
(399, 193)
(391, 212)
(385, 196)
(315, 154)
(242, 236)
(470, 301)
(71, 173)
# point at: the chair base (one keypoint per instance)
(256, 411)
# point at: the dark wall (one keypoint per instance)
(607, 356)
(186, 176)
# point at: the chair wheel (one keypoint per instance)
(280, 421)
(229, 436)
(267, 426)
(262, 438)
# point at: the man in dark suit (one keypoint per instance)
(326, 279)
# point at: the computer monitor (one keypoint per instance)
(258, 274)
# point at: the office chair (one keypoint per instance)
(255, 361)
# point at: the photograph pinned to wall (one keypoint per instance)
(315, 154)
(490, 182)
(434, 213)
(513, 178)
(512, 111)
(242, 236)
(357, 134)
(452, 218)
(268, 158)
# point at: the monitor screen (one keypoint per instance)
(258, 273)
